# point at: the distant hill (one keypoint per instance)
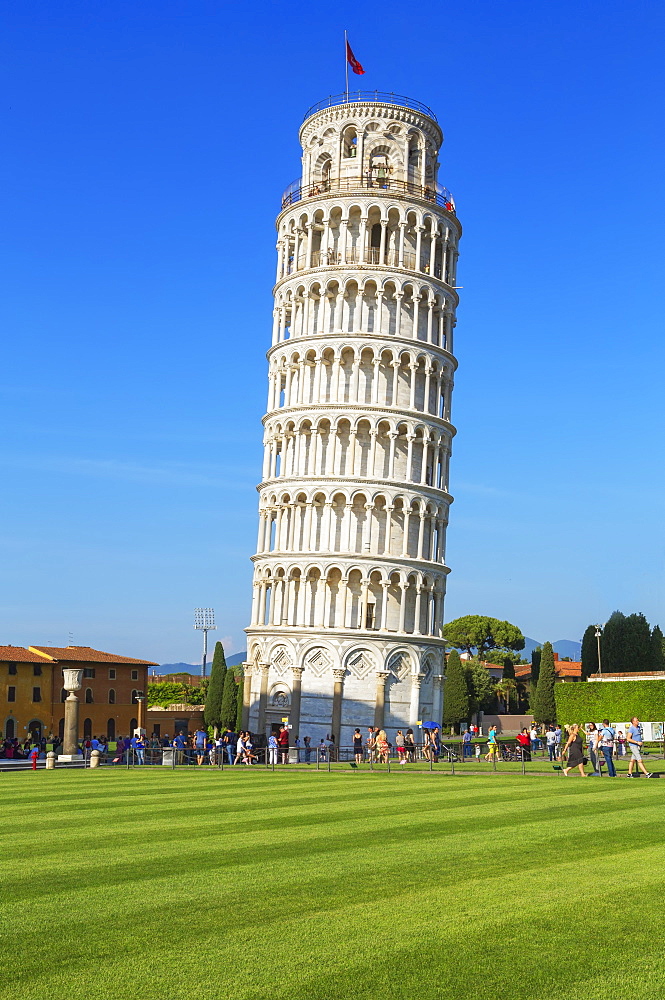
(195, 668)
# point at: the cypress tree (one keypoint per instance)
(543, 705)
(212, 713)
(456, 694)
(636, 652)
(508, 669)
(229, 700)
(657, 654)
(612, 644)
(239, 693)
(589, 652)
(535, 667)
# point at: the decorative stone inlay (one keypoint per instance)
(360, 664)
(318, 661)
(279, 660)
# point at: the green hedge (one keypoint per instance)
(618, 701)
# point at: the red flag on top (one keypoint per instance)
(353, 62)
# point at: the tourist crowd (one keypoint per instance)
(575, 746)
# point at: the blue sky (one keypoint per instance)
(146, 147)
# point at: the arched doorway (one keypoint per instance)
(133, 724)
(35, 729)
(10, 729)
(61, 729)
(87, 729)
(110, 729)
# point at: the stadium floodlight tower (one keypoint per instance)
(204, 621)
(349, 573)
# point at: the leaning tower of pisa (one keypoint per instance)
(350, 572)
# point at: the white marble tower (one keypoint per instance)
(350, 573)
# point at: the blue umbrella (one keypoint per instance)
(430, 725)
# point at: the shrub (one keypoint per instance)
(614, 700)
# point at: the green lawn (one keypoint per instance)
(249, 885)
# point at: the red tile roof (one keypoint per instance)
(17, 654)
(562, 668)
(85, 654)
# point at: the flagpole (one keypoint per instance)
(346, 64)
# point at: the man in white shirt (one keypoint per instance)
(551, 743)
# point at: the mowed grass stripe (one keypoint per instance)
(271, 885)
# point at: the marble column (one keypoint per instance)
(296, 690)
(380, 704)
(263, 695)
(72, 682)
(246, 694)
(414, 707)
(337, 704)
(437, 707)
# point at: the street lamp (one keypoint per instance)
(598, 635)
(140, 699)
(204, 621)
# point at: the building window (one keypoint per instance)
(11, 694)
(135, 675)
(112, 673)
(134, 694)
(111, 697)
(37, 670)
(89, 672)
(88, 696)
(110, 729)
(12, 668)
(36, 694)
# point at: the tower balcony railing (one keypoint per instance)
(298, 191)
(353, 255)
(369, 97)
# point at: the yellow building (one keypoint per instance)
(26, 692)
(32, 696)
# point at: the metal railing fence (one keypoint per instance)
(434, 193)
(369, 97)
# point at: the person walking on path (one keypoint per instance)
(592, 746)
(550, 739)
(382, 746)
(574, 750)
(401, 747)
(635, 741)
(240, 748)
(410, 745)
(466, 744)
(534, 738)
(308, 748)
(273, 747)
(557, 741)
(200, 741)
(525, 744)
(606, 738)
(230, 742)
(283, 740)
(492, 745)
(358, 746)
